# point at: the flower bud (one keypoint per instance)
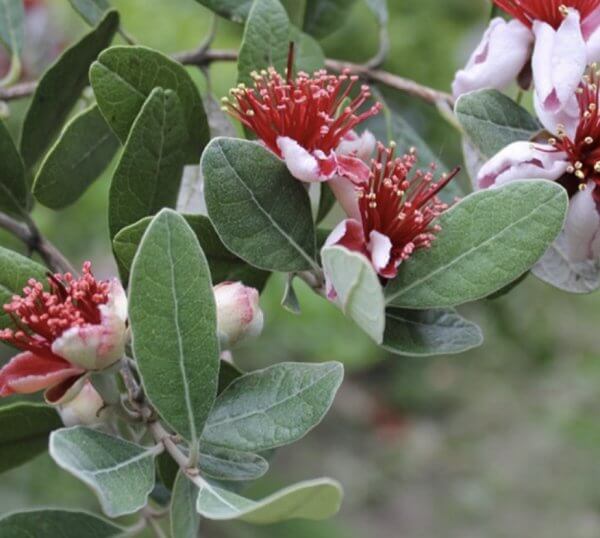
(238, 312)
(85, 409)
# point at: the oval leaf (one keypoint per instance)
(487, 241)
(259, 210)
(492, 120)
(272, 407)
(124, 77)
(14, 191)
(148, 175)
(312, 499)
(121, 473)
(83, 151)
(185, 519)
(424, 333)
(60, 88)
(359, 293)
(24, 431)
(324, 17)
(50, 523)
(265, 41)
(174, 326)
(91, 11)
(226, 464)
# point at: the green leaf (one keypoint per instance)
(312, 499)
(48, 523)
(184, 517)
(14, 191)
(326, 202)
(226, 464)
(236, 10)
(15, 271)
(224, 266)
(167, 469)
(259, 210)
(272, 407)
(487, 241)
(60, 88)
(174, 326)
(91, 11)
(290, 300)
(227, 374)
(12, 17)
(324, 17)
(24, 431)
(558, 270)
(121, 473)
(424, 333)
(83, 151)
(359, 293)
(124, 77)
(380, 10)
(492, 120)
(309, 55)
(265, 41)
(148, 175)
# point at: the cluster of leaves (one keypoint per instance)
(148, 114)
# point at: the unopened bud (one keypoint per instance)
(86, 409)
(238, 313)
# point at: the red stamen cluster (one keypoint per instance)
(42, 316)
(314, 111)
(583, 153)
(550, 11)
(403, 209)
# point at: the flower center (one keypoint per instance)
(317, 112)
(583, 152)
(42, 316)
(403, 209)
(550, 11)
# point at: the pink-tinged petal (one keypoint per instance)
(582, 227)
(590, 24)
(116, 307)
(559, 61)
(301, 164)
(380, 248)
(353, 168)
(66, 390)
(567, 117)
(522, 160)
(27, 373)
(85, 409)
(346, 195)
(348, 233)
(360, 146)
(497, 60)
(593, 46)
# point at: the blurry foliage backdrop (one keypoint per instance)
(501, 442)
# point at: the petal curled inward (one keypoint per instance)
(582, 227)
(590, 28)
(380, 248)
(304, 165)
(361, 146)
(497, 61)
(27, 373)
(559, 61)
(96, 347)
(522, 160)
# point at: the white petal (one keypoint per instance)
(582, 228)
(568, 117)
(380, 248)
(498, 59)
(301, 164)
(559, 61)
(345, 193)
(362, 146)
(593, 46)
(522, 160)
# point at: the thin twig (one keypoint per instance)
(35, 242)
(18, 91)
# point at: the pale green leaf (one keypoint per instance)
(487, 241)
(358, 291)
(272, 407)
(259, 210)
(173, 322)
(121, 473)
(91, 11)
(185, 519)
(324, 17)
(313, 499)
(226, 464)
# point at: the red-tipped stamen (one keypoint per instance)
(42, 316)
(551, 11)
(311, 110)
(399, 207)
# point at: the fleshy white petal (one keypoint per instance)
(380, 247)
(498, 59)
(522, 160)
(27, 373)
(582, 227)
(568, 116)
(348, 233)
(559, 61)
(301, 164)
(353, 168)
(360, 146)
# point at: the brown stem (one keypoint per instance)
(35, 242)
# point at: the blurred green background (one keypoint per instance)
(499, 442)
